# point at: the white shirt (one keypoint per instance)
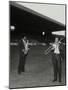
(26, 46)
(56, 48)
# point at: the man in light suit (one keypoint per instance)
(56, 59)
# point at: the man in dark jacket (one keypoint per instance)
(23, 52)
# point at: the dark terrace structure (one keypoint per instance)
(31, 23)
(38, 66)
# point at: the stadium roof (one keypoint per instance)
(29, 20)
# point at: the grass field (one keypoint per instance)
(38, 69)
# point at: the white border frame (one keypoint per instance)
(4, 44)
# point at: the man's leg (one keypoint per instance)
(20, 65)
(55, 68)
(23, 63)
(59, 67)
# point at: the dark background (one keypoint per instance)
(38, 67)
(31, 25)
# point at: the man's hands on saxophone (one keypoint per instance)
(25, 50)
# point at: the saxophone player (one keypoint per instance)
(23, 52)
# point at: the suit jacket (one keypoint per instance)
(21, 47)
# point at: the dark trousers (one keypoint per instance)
(56, 59)
(22, 60)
